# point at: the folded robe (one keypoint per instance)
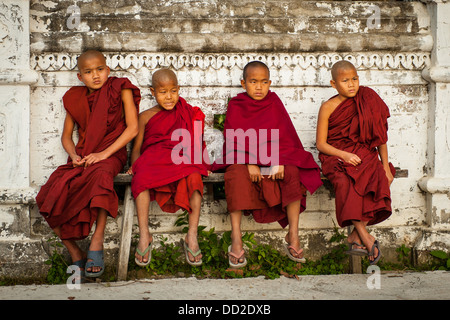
(71, 197)
(265, 200)
(359, 125)
(261, 119)
(165, 160)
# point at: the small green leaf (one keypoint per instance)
(439, 254)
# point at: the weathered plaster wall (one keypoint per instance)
(207, 43)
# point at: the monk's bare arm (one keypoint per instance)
(131, 120)
(322, 133)
(383, 152)
(136, 151)
(67, 141)
(144, 117)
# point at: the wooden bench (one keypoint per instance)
(129, 211)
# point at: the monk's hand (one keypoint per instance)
(255, 173)
(351, 158)
(77, 161)
(130, 171)
(276, 173)
(93, 158)
(389, 175)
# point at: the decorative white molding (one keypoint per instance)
(117, 62)
(437, 74)
(434, 185)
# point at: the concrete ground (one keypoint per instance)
(376, 286)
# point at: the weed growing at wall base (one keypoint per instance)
(443, 260)
(263, 259)
(58, 266)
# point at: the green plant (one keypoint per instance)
(165, 261)
(404, 255)
(442, 258)
(263, 259)
(57, 274)
(219, 121)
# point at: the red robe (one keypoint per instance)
(71, 197)
(162, 167)
(359, 125)
(260, 118)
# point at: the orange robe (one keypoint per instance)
(72, 196)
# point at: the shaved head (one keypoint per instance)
(89, 55)
(163, 75)
(254, 64)
(341, 65)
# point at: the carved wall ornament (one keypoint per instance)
(127, 61)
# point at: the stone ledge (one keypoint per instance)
(437, 74)
(18, 196)
(434, 185)
(18, 76)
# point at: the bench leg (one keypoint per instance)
(355, 261)
(125, 235)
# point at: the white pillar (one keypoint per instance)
(437, 182)
(15, 79)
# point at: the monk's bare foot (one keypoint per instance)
(294, 241)
(96, 245)
(236, 248)
(369, 241)
(192, 243)
(354, 238)
(144, 242)
(76, 254)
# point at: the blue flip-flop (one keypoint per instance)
(80, 264)
(96, 258)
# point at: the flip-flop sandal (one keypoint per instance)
(194, 254)
(96, 258)
(142, 254)
(287, 247)
(238, 257)
(372, 252)
(80, 264)
(356, 251)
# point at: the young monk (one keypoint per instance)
(157, 173)
(279, 193)
(79, 193)
(351, 138)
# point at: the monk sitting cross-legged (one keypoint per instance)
(351, 138)
(164, 172)
(79, 193)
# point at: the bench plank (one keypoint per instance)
(129, 211)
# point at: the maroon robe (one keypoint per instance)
(72, 196)
(156, 170)
(261, 117)
(359, 125)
